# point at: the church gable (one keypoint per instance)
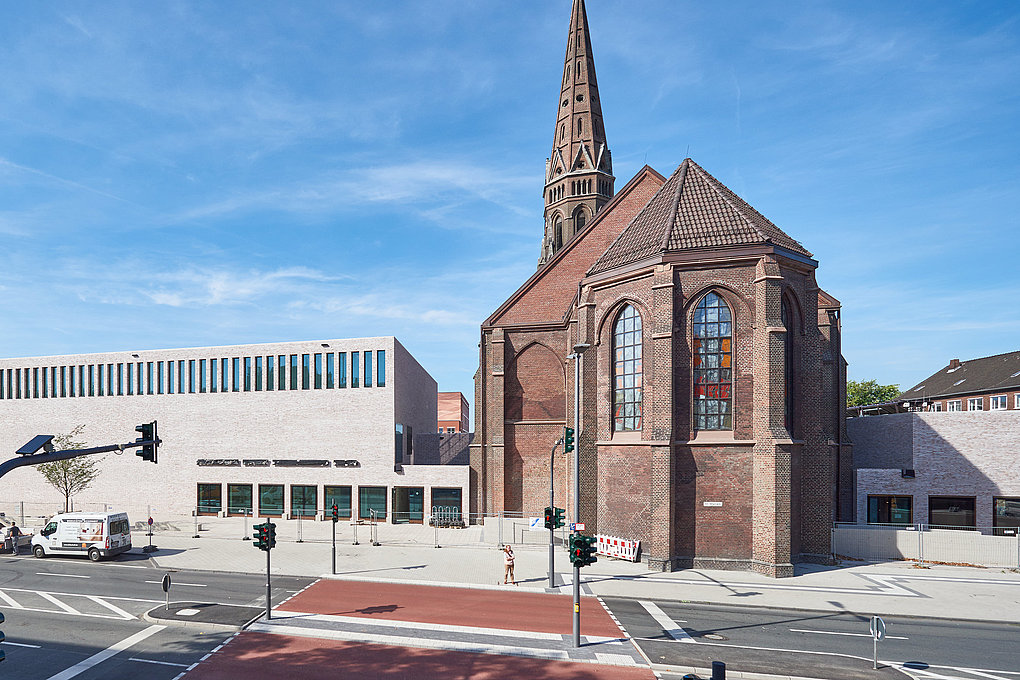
(548, 295)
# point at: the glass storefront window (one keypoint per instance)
(408, 504)
(1006, 516)
(341, 495)
(270, 499)
(889, 510)
(951, 511)
(239, 499)
(210, 499)
(303, 500)
(372, 498)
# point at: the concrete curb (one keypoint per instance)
(747, 605)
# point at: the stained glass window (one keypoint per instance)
(713, 365)
(627, 371)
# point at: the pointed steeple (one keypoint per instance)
(579, 173)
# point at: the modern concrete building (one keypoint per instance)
(279, 430)
(944, 469)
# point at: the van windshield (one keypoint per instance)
(120, 526)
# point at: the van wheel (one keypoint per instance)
(94, 555)
(39, 551)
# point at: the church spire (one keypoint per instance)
(579, 172)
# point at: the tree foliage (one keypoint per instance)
(73, 475)
(863, 392)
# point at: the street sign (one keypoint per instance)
(577, 526)
(536, 524)
(150, 521)
(877, 633)
(166, 583)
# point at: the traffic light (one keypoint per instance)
(259, 536)
(272, 534)
(582, 550)
(558, 517)
(2, 655)
(148, 432)
(549, 518)
(568, 439)
(336, 514)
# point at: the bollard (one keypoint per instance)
(718, 670)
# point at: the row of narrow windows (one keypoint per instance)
(580, 219)
(579, 187)
(229, 374)
(712, 368)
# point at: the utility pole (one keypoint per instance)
(550, 512)
(579, 349)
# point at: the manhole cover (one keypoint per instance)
(714, 636)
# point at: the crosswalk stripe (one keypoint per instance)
(10, 602)
(668, 625)
(66, 607)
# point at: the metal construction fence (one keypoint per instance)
(442, 525)
(926, 543)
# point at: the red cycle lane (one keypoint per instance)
(504, 609)
(254, 656)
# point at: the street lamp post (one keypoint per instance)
(579, 349)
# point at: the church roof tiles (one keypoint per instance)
(692, 210)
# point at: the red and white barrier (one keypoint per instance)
(620, 548)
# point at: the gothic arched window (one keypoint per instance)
(580, 217)
(557, 234)
(713, 365)
(627, 371)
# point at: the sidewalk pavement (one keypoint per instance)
(407, 554)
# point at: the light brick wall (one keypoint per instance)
(952, 454)
(304, 424)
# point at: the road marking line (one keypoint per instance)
(21, 644)
(175, 583)
(929, 674)
(113, 608)
(161, 663)
(511, 650)
(126, 566)
(108, 597)
(982, 674)
(66, 607)
(668, 625)
(833, 632)
(10, 603)
(102, 656)
(446, 628)
(47, 573)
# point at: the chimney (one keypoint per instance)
(954, 363)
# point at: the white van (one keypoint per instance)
(96, 534)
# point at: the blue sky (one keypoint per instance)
(183, 174)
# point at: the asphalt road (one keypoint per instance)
(70, 618)
(816, 644)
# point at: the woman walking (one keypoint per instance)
(508, 564)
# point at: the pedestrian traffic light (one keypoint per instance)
(568, 439)
(558, 517)
(336, 514)
(265, 536)
(549, 518)
(148, 432)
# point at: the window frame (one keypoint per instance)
(718, 349)
(200, 501)
(365, 512)
(628, 327)
(976, 401)
(329, 492)
(1001, 398)
(1006, 529)
(973, 504)
(283, 499)
(954, 405)
(233, 510)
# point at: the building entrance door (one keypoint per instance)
(408, 504)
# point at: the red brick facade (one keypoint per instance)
(759, 495)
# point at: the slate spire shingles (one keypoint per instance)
(692, 210)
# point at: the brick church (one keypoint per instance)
(711, 391)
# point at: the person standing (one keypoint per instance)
(14, 533)
(508, 564)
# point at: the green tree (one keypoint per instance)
(74, 475)
(862, 392)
